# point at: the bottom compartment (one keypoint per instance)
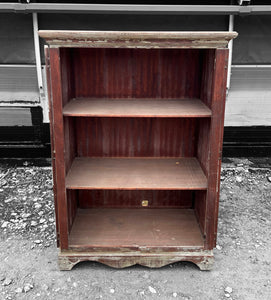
(123, 229)
(124, 237)
(114, 228)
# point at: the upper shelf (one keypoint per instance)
(138, 39)
(162, 108)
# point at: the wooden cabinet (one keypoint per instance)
(137, 130)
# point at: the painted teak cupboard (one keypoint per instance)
(136, 131)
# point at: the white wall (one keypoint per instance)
(249, 99)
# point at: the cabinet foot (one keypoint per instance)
(65, 263)
(206, 264)
(203, 259)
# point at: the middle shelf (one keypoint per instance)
(162, 108)
(136, 174)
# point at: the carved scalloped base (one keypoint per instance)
(203, 259)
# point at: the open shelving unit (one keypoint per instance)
(137, 130)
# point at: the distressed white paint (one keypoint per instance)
(37, 51)
(230, 46)
(44, 98)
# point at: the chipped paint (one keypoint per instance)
(132, 39)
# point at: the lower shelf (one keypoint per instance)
(135, 230)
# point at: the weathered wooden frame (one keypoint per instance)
(210, 137)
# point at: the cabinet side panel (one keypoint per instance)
(72, 206)
(48, 75)
(200, 210)
(58, 128)
(203, 142)
(203, 155)
(70, 142)
(136, 137)
(133, 199)
(137, 73)
(215, 144)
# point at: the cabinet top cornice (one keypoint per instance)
(138, 39)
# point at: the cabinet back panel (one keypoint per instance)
(136, 137)
(133, 199)
(131, 73)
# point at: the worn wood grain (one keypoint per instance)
(200, 209)
(174, 108)
(122, 73)
(134, 198)
(59, 148)
(137, 39)
(218, 96)
(136, 137)
(204, 259)
(72, 199)
(51, 116)
(171, 229)
(136, 174)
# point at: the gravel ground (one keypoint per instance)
(28, 254)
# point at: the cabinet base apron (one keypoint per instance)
(203, 259)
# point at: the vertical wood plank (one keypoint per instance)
(145, 75)
(203, 144)
(58, 128)
(116, 69)
(200, 207)
(49, 91)
(69, 140)
(218, 96)
(208, 66)
(72, 197)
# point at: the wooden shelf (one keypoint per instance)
(136, 173)
(162, 108)
(134, 229)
